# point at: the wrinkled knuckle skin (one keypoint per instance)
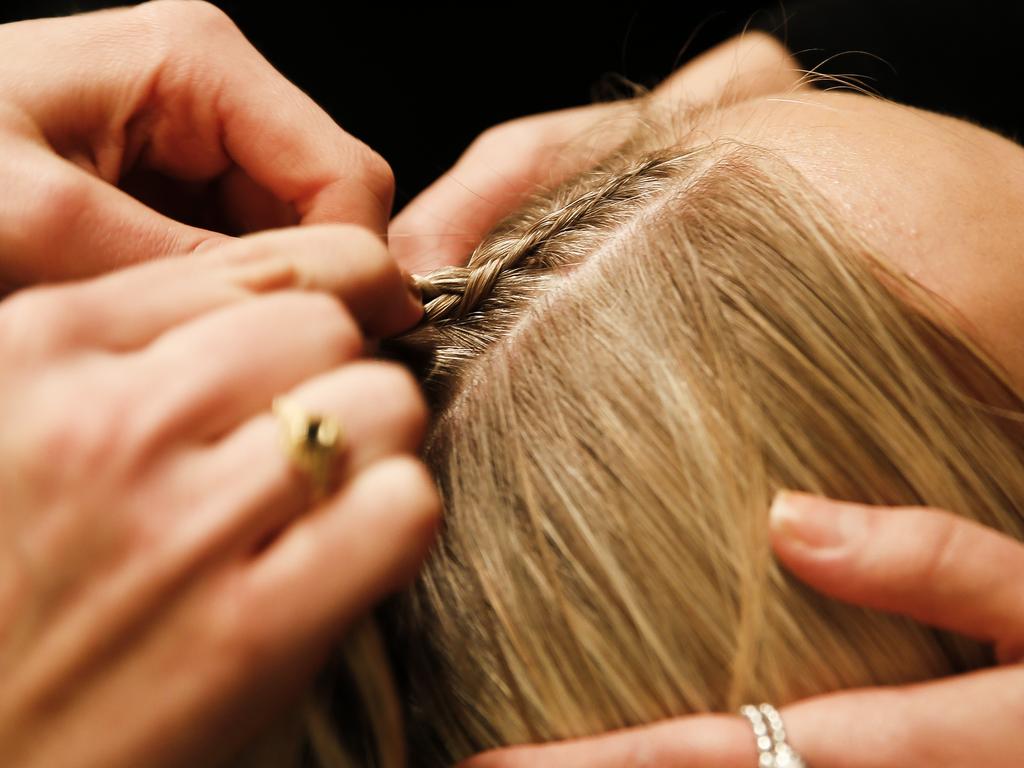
(186, 41)
(942, 548)
(194, 15)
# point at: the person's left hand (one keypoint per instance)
(930, 565)
(130, 134)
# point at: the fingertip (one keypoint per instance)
(815, 526)
(393, 505)
(504, 758)
(382, 295)
(417, 499)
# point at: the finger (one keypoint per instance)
(58, 222)
(266, 126)
(202, 379)
(381, 413)
(935, 567)
(964, 721)
(128, 309)
(705, 741)
(219, 104)
(498, 171)
(504, 165)
(331, 566)
(748, 65)
(248, 207)
(174, 87)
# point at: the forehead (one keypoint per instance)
(941, 199)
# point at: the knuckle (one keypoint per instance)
(36, 320)
(483, 146)
(518, 135)
(494, 137)
(77, 445)
(191, 14)
(56, 200)
(239, 643)
(179, 38)
(942, 548)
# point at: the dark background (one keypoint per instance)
(418, 83)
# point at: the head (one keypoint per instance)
(624, 374)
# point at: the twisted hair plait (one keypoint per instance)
(451, 293)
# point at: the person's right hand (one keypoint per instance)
(163, 587)
(508, 162)
(930, 565)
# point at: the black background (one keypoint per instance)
(419, 82)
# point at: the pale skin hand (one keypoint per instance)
(169, 99)
(926, 564)
(164, 586)
(509, 161)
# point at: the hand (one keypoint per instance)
(163, 585)
(509, 161)
(930, 565)
(170, 101)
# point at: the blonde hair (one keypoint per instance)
(624, 374)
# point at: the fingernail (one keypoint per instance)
(814, 522)
(413, 287)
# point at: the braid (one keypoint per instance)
(468, 309)
(451, 293)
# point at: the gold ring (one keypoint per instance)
(312, 442)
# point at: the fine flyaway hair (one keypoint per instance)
(622, 376)
(625, 372)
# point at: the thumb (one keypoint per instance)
(65, 223)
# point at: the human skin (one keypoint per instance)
(508, 161)
(167, 582)
(939, 199)
(927, 564)
(932, 194)
(170, 101)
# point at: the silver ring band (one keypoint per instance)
(773, 751)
